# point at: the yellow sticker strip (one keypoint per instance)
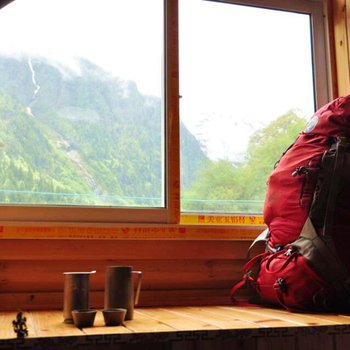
(240, 220)
(131, 232)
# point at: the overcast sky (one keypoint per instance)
(127, 43)
(234, 72)
(241, 67)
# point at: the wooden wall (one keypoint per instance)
(339, 18)
(174, 272)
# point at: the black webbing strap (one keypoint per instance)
(322, 258)
(341, 147)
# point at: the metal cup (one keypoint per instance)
(76, 293)
(119, 289)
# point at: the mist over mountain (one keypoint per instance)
(82, 136)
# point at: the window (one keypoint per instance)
(82, 120)
(89, 103)
(248, 83)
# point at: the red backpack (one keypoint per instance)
(306, 262)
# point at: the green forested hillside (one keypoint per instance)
(241, 188)
(93, 139)
(87, 138)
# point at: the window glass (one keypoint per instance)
(247, 87)
(81, 103)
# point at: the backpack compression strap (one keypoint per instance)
(342, 145)
(322, 258)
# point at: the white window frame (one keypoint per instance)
(86, 214)
(170, 214)
(319, 37)
(320, 50)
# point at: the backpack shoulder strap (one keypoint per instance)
(322, 258)
(341, 146)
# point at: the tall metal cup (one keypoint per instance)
(119, 289)
(76, 293)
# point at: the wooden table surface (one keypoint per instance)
(171, 319)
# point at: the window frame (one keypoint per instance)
(168, 214)
(320, 49)
(39, 215)
(320, 55)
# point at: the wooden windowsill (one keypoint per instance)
(212, 324)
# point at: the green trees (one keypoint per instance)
(264, 150)
(95, 140)
(223, 187)
(91, 138)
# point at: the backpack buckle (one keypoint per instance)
(280, 284)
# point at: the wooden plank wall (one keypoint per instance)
(340, 31)
(174, 272)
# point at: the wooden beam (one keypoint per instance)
(341, 22)
(123, 250)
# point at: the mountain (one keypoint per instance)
(81, 137)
